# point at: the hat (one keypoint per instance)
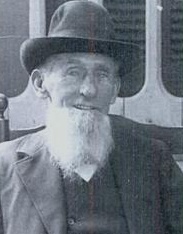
(81, 26)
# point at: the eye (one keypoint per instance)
(75, 72)
(103, 75)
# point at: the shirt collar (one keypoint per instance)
(86, 172)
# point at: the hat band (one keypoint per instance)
(71, 33)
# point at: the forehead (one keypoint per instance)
(85, 59)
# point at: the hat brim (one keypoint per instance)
(34, 52)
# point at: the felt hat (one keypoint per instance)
(83, 26)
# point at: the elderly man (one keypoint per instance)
(86, 172)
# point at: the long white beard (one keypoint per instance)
(78, 137)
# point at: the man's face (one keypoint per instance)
(81, 80)
(80, 87)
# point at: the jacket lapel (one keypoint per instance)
(43, 183)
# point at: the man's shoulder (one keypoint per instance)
(9, 150)
(129, 133)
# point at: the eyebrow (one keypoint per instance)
(102, 67)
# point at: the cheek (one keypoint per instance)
(106, 93)
(63, 93)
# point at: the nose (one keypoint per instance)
(88, 87)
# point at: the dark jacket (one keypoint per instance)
(150, 185)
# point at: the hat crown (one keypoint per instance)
(82, 19)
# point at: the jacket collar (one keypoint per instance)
(31, 143)
(36, 171)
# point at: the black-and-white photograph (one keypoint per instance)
(91, 116)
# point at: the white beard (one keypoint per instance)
(78, 137)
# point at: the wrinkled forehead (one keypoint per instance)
(83, 59)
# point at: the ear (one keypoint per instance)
(117, 86)
(38, 83)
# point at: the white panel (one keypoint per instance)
(118, 108)
(26, 110)
(153, 104)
